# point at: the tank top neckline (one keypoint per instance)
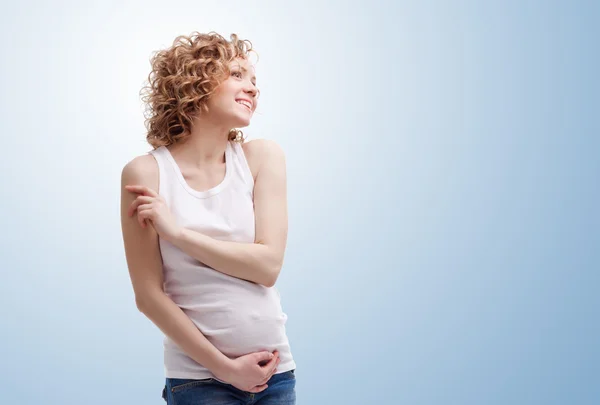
(206, 193)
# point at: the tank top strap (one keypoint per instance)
(162, 162)
(241, 164)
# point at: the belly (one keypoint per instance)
(239, 331)
(237, 316)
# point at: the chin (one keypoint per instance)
(240, 122)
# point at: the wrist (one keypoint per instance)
(224, 368)
(177, 236)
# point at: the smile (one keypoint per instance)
(245, 103)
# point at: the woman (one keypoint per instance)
(204, 220)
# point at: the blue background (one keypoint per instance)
(443, 168)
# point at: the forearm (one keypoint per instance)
(175, 324)
(249, 261)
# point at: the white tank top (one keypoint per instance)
(237, 316)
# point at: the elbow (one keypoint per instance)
(271, 275)
(148, 297)
(140, 304)
(143, 302)
(270, 282)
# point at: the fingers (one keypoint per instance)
(270, 370)
(139, 200)
(142, 215)
(141, 189)
(258, 388)
(263, 384)
(275, 367)
(273, 360)
(271, 373)
(268, 363)
(264, 357)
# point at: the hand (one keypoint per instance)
(246, 372)
(151, 207)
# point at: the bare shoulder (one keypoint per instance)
(260, 152)
(141, 170)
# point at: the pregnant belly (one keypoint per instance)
(239, 331)
(237, 318)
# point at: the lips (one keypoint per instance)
(245, 103)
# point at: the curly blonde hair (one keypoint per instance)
(182, 79)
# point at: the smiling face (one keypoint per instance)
(235, 99)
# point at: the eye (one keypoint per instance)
(236, 73)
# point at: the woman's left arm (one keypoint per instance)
(261, 261)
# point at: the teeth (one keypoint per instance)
(243, 102)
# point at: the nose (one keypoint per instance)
(251, 89)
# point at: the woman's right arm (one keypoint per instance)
(145, 270)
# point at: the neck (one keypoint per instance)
(205, 145)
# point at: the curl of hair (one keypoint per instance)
(182, 79)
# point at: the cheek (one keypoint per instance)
(220, 101)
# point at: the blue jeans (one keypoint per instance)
(179, 391)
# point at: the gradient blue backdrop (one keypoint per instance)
(443, 163)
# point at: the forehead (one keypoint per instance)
(243, 64)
